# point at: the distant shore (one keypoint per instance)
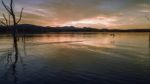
(33, 29)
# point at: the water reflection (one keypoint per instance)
(10, 60)
(10, 64)
(84, 39)
(67, 57)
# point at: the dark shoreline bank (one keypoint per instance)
(32, 29)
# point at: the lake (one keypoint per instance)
(77, 58)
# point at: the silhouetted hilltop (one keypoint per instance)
(28, 28)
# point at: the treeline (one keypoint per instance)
(33, 29)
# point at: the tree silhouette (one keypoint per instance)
(12, 19)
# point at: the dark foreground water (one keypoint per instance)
(104, 58)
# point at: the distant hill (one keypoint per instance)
(32, 29)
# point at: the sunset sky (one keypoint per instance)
(122, 14)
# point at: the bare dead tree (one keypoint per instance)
(10, 10)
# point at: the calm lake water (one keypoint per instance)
(97, 58)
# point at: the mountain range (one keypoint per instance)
(33, 29)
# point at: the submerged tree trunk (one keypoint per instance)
(15, 44)
(15, 38)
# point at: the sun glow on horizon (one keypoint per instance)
(103, 21)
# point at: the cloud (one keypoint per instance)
(84, 12)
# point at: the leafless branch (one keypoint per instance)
(5, 19)
(11, 7)
(3, 23)
(20, 15)
(9, 20)
(6, 7)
